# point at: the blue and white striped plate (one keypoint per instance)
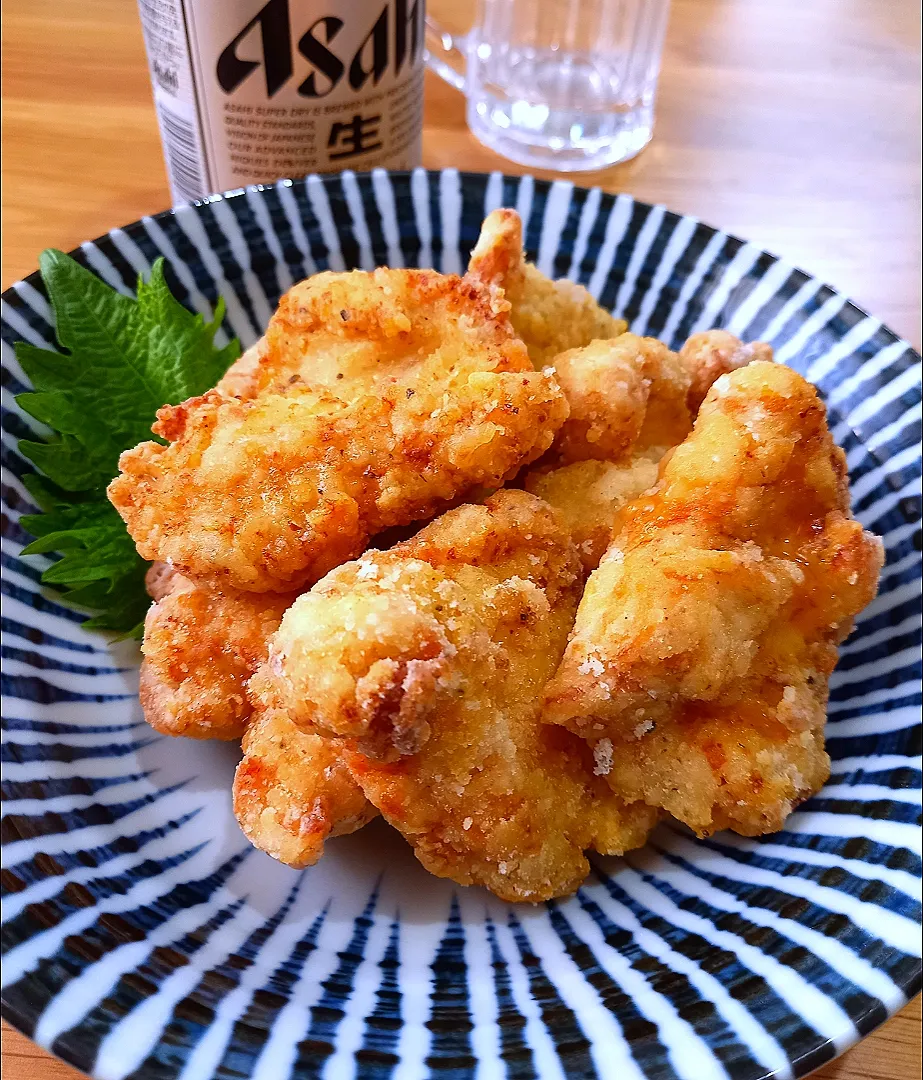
(144, 938)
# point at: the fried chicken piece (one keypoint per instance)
(699, 663)
(159, 579)
(269, 494)
(713, 353)
(589, 493)
(625, 395)
(292, 789)
(243, 378)
(200, 647)
(429, 662)
(549, 316)
(630, 400)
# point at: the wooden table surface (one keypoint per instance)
(793, 123)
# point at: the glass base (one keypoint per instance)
(536, 149)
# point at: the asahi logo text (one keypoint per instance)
(393, 38)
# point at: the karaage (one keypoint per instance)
(713, 353)
(292, 790)
(269, 494)
(627, 394)
(428, 661)
(699, 663)
(200, 647)
(589, 493)
(549, 316)
(243, 378)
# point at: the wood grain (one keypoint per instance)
(793, 123)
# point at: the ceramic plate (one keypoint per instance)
(143, 937)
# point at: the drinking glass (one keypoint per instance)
(557, 84)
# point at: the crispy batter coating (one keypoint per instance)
(292, 789)
(269, 494)
(699, 663)
(200, 647)
(361, 333)
(242, 378)
(429, 661)
(549, 316)
(588, 493)
(625, 394)
(159, 579)
(713, 353)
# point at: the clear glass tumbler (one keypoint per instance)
(557, 84)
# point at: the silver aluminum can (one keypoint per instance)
(248, 91)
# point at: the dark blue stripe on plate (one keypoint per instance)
(377, 1057)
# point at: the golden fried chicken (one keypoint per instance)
(292, 790)
(589, 493)
(712, 353)
(429, 661)
(627, 394)
(200, 647)
(243, 377)
(159, 580)
(549, 316)
(269, 494)
(699, 663)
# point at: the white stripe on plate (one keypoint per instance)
(639, 253)
(616, 225)
(258, 207)
(31, 296)
(103, 268)
(608, 1048)
(320, 205)
(790, 854)
(886, 633)
(292, 214)
(894, 388)
(871, 793)
(877, 921)
(765, 290)
(875, 763)
(23, 330)
(731, 276)
(690, 286)
(897, 834)
(806, 292)
(357, 216)
(850, 342)
(535, 1035)
(883, 665)
(689, 1054)
(845, 388)
(226, 220)
(680, 238)
(450, 211)
(387, 211)
(584, 227)
(742, 1023)
(814, 324)
(879, 723)
(493, 193)
(802, 997)
(419, 189)
(554, 219)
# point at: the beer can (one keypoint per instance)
(248, 91)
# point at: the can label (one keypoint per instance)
(248, 91)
